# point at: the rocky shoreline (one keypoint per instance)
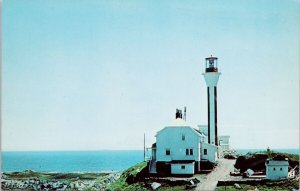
(31, 180)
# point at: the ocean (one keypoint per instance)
(81, 161)
(70, 161)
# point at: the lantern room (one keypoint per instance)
(211, 64)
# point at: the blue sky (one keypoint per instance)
(92, 75)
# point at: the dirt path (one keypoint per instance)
(221, 172)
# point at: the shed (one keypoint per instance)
(277, 169)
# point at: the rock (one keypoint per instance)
(236, 185)
(249, 172)
(155, 185)
(192, 184)
(63, 188)
(72, 185)
(196, 180)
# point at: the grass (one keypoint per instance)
(173, 188)
(62, 177)
(272, 153)
(270, 186)
(121, 183)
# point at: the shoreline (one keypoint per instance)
(75, 172)
(57, 180)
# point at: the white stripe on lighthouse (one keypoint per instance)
(212, 115)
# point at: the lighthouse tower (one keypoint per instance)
(211, 76)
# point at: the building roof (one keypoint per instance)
(200, 132)
(224, 136)
(182, 123)
(277, 162)
(179, 123)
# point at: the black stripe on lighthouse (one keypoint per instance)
(208, 104)
(216, 126)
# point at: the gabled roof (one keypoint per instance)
(181, 123)
(277, 162)
(199, 132)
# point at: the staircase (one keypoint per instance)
(152, 167)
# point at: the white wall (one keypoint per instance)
(224, 140)
(203, 129)
(171, 137)
(211, 79)
(212, 152)
(177, 168)
(277, 174)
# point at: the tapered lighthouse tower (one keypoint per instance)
(211, 76)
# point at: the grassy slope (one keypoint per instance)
(62, 177)
(122, 185)
(285, 186)
(271, 153)
(282, 186)
(256, 160)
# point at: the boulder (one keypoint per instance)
(196, 180)
(155, 185)
(236, 185)
(249, 172)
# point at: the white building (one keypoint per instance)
(179, 149)
(277, 169)
(204, 130)
(224, 142)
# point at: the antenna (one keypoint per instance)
(184, 115)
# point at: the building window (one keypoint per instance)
(189, 152)
(168, 152)
(280, 169)
(182, 167)
(205, 151)
(183, 137)
(274, 169)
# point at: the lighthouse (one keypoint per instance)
(211, 76)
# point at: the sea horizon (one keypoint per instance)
(70, 150)
(83, 161)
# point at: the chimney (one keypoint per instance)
(178, 114)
